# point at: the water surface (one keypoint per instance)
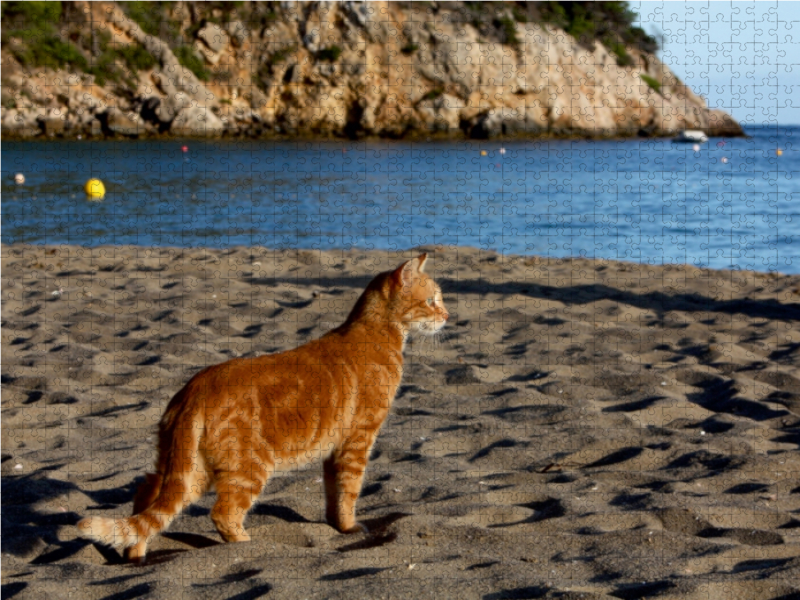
(734, 203)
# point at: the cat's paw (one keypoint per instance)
(357, 528)
(341, 527)
(136, 554)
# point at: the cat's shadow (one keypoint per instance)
(284, 513)
(197, 541)
(25, 527)
(194, 540)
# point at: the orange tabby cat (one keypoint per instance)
(233, 424)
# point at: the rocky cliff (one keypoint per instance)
(350, 69)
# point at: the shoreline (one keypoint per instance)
(564, 135)
(494, 255)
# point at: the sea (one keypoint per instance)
(729, 203)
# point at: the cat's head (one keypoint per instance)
(419, 299)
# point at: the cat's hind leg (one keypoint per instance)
(236, 493)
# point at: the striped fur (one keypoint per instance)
(235, 423)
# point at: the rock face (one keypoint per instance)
(355, 69)
(115, 121)
(196, 121)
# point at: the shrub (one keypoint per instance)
(433, 94)
(590, 21)
(105, 68)
(148, 15)
(152, 18)
(553, 12)
(508, 29)
(409, 49)
(33, 23)
(36, 16)
(187, 57)
(331, 53)
(50, 51)
(582, 29)
(623, 58)
(280, 55)
(106, 65)
(636, 36)
(264, 13)
(136, 58)
(652, 83)
(267, 69)
(476, 12)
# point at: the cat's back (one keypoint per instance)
(318, 359)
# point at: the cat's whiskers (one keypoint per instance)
(431, 338)
(441, 337)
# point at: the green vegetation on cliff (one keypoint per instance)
(652, 83)
(154, 19)
(610, 23)
(29, 31)
(39, 34)
(189, 59)
(42, 34)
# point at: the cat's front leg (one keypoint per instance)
(344, 474)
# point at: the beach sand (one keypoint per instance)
(583, 429)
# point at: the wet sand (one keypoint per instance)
(583, 429)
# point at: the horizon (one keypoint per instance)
(753, 80)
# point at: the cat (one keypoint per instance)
(234, 423)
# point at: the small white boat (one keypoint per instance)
(691, 136)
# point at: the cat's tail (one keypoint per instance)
(182, 480)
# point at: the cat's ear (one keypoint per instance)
(405, 272)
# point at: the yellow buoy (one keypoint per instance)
(483, 152)
(779, 152)
(94, 188)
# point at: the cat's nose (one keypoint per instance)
(446, 316)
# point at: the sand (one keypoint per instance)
(584, 429)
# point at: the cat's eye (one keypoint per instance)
(429, 301)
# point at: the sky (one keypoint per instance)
(743, 57)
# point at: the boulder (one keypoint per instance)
(238, 33)
(53, 125)
(214, 37)
(117, 122)
(196, 121)
(448, 110)
(169, 106)
(441, 113)
(358, 12)
(21, 122)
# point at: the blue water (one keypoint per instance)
(732, 204)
